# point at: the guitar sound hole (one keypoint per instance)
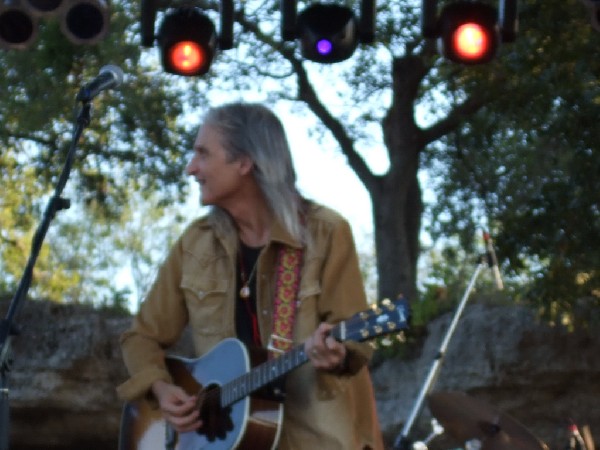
(216, 421)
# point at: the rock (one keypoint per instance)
(67, 363)
(541, 376)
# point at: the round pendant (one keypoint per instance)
(245, 292)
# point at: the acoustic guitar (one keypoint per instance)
(238, 408)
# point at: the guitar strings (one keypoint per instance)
(353, 325)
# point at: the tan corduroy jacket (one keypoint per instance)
(197, 285)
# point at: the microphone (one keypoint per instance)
(109, 77)
(492, 260)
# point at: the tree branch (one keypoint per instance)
(455, 117)
(307, 94)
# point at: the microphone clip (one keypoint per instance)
(110, 76)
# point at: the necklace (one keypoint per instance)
(245, 289)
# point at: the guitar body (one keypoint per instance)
(228, 382)
(256, 422)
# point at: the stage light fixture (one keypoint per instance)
(594, 8)
(81, 21)
(187, 40)
(227, 14)
(44, 8)
(85, 21)
(596, 18)
(289, 18)
(147, 18)
(18, 29)
(469, 32)
(508, 20)
(328, 33)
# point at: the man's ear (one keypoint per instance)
(246, 165)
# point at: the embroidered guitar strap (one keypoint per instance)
(286, 291)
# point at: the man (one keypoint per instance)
(222, 279)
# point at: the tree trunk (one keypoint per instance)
(396, 196)
(397, 221)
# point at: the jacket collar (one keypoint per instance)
(279, 234)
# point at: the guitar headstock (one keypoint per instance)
(384, 318)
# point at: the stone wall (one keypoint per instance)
(66, 364)
(538, 375)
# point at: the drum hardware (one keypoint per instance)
(473, 423)
(467, 419)
(403, 441)
(436, 430)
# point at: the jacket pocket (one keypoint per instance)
(307, 315)
(206, 303)
(310, 284)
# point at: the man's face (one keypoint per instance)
(220, 178)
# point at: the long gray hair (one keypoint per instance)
(251, 129)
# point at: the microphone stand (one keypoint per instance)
(7, 328)
(402, 441)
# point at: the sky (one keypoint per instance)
(325, 176)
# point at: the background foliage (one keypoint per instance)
(510, 146)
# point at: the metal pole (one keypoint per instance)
(402, 441)
(7, 326)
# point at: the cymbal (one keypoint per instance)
(466, 418)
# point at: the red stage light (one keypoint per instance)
(469, 32)
(187, 57)
(188, 41)
(471, 41)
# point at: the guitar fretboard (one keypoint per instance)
(262, 375)
(360, 327)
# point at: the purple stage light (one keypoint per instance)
(324, 46)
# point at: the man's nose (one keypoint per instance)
(189, 168)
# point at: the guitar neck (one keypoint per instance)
(386, 318)
(262, 375)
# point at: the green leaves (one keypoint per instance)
(526, 165)
(136, 142)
